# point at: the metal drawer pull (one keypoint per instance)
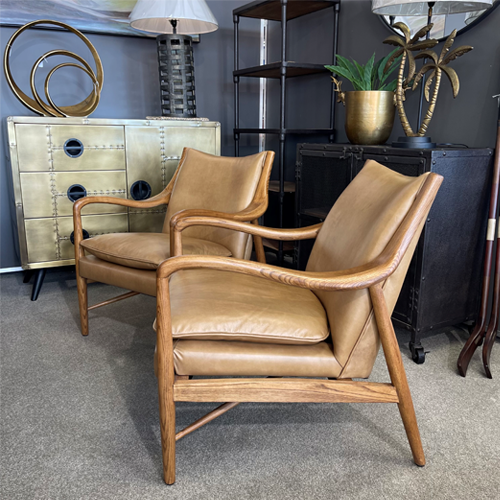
(75, 192)
(73, 148)
(86, 236)
(140, 190)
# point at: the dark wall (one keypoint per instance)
(131, 82)
(470, 118)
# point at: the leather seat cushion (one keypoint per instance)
(222, 358)
(219, 305)
(146, 250)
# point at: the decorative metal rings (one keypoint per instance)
(37, 105)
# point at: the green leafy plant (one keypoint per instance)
(372, 76)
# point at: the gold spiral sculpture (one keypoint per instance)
(38, 105)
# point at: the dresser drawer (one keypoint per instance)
(73, 147)
(51, 194)
(50, 239)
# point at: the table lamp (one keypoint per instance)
(173, 20)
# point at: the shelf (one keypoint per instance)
(271, 9)
(274, 186)
(285, 131)
(318, 213)
(273, 70)
(288, 246)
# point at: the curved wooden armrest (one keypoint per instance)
(185, 221)
(356, 278)
(160, 199)
(349, 279)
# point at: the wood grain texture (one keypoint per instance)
(113, 300)
(205, 419)
(165, 369)
(397, 372)
(259, 246)
(283, 391)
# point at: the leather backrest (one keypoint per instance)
(357, 229)
(219, 183)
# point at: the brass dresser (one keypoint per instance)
(56, 161)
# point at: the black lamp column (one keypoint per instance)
(176, 69)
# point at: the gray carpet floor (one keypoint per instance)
(79, 419)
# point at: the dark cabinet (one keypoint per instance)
(442, 287)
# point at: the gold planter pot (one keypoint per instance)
(369, 115)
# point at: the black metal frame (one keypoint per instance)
(282, 66)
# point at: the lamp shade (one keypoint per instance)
(193, 17)
(420, 8)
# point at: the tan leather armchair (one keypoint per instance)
(203, 185)
(219, 317)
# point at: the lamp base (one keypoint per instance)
(176, 67)
(414, 143)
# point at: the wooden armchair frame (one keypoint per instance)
(250, 214)
(173, 388)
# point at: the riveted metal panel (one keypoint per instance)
(34, 148)
(103, 148)
(46, 194)
(201, 138)
(145, 158)
(49, 239)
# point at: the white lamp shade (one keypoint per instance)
(193, 17)
(420, 8)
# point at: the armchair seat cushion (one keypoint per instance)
(219, 305)
(146, 250)
(215, 358)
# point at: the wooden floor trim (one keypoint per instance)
(283, 391)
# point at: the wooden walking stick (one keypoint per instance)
(479, 332)
(491, 333)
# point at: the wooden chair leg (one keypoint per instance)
(81, 285)
(397, 373)
(167, 423)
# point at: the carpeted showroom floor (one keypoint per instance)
(79, 418)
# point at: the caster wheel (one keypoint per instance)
(417, 354)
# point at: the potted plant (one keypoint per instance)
(370, 106)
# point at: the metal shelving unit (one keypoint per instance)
(281, 11)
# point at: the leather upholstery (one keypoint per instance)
(138, 280)
(224, 358)
(219, 305)
(216, 183)
(231, 324)
(357, 229)
(146, 250)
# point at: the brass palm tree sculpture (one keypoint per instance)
(407, 46)
(437, 67)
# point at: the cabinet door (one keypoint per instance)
(322, 176)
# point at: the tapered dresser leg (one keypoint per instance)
(38, 284)
(81, 285)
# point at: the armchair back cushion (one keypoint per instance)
(356, 231)
(217, 183)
